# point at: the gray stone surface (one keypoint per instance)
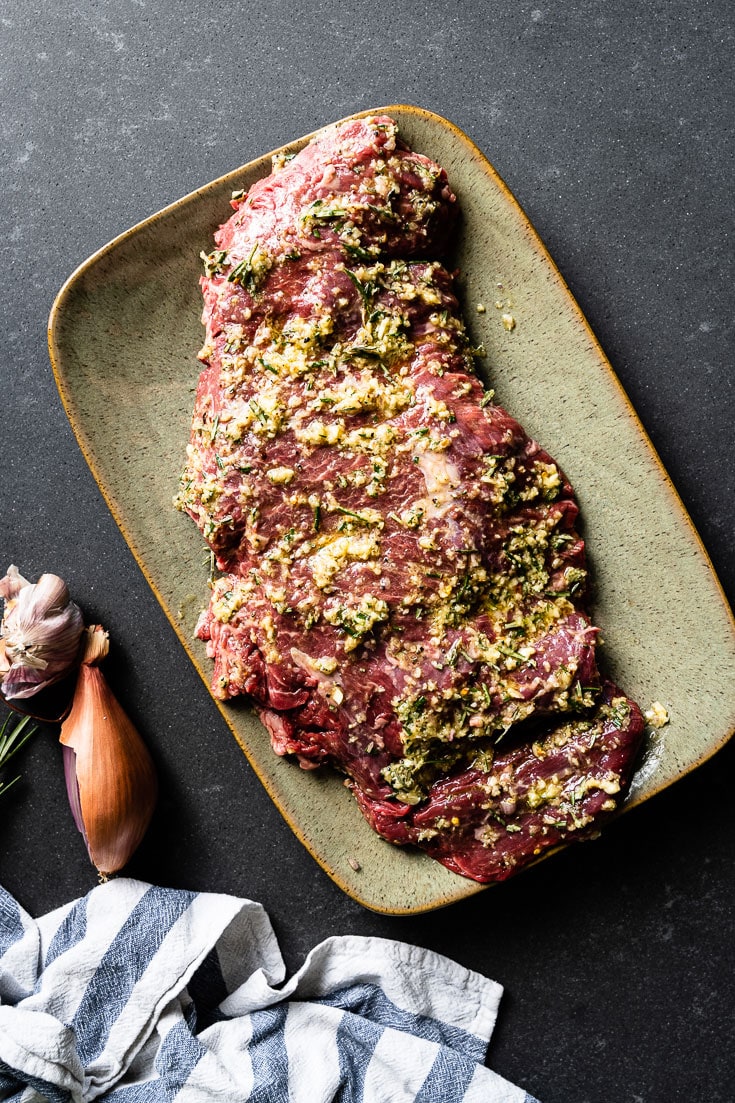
(612, 124)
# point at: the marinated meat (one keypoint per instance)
(402, 583)
(486, 823)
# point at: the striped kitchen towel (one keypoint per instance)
(139, 994)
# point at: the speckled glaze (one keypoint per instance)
(123, 337)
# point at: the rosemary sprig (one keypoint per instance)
(11, 741)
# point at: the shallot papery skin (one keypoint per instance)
(110, 776)
(72, 790)
(40, 630)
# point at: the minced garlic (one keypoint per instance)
(656, 716)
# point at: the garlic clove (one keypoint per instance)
(111, 779)
(12, 583)
(41, 629)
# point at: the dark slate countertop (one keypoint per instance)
(611, 122)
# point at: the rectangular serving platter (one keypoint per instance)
(123, 336)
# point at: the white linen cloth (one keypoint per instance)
(140, 994)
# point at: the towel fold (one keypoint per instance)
(140, 994)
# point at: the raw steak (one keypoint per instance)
(402, 584)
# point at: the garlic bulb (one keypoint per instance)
(40, 630)
(110, 777)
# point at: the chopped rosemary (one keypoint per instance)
(365, 290)
(346, 627)
(356, 251)
(214, 262)
(357, 516)
(326, 214)
(511, 654)
(242, 273)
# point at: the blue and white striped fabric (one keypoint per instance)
(138, 994)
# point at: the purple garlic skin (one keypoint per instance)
(39, 634)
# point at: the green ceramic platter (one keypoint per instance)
(123, 336)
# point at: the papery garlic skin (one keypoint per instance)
(108, 763)
(13, 583)
(40, 633)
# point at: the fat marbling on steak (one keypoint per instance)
(402, 584)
